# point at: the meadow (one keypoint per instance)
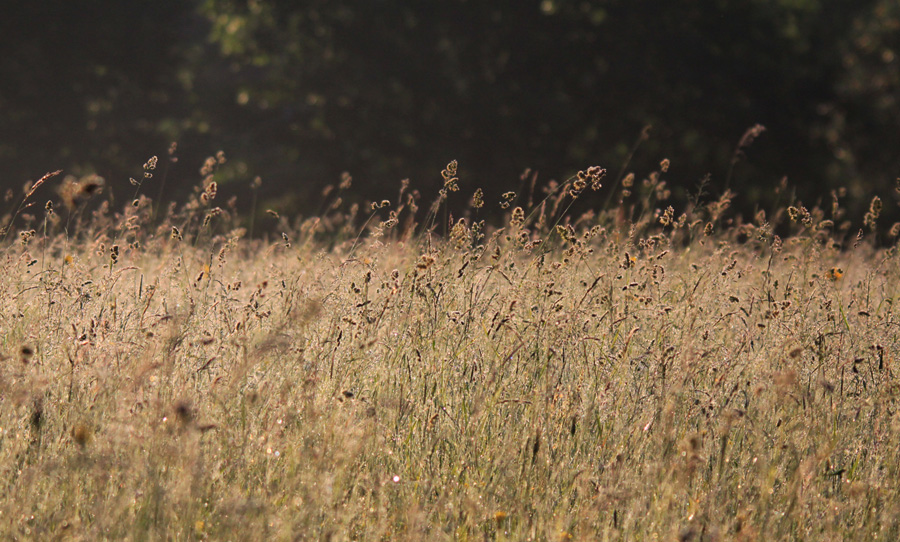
(385, 372)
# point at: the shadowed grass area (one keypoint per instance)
(634, 373)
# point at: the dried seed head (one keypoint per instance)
(478, 199)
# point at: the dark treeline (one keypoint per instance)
(298, 92)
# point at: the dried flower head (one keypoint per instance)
(874, 212)
(478, 199)
(449, 175)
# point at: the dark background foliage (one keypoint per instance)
(299, 92)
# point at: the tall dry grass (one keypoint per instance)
(635, 373)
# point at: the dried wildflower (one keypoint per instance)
(595, 174)
(567, 232)
(628, 181)
(664, 165)
(667, 216)
(26, 236)
(708, 229)
(508, 197)
(518, 217)
(478, 199)
(210, 191)
(450, 179)
(578, 186)
(874, 212)
(216, 211)
(176, 234)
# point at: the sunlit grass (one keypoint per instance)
(636, 374)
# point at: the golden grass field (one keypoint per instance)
(636, 373)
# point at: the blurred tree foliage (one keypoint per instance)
(89, 85)
(299, 91)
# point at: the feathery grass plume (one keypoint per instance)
(740, 150)
(29, 189)
(871, 218)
